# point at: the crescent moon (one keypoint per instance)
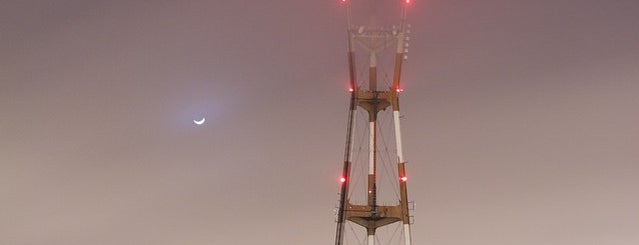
(199, 122)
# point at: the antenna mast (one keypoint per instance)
(371, 215)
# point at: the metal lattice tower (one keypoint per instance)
(372, 41)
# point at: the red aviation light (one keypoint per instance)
(403, 178)
(399, 90)
(351, 89)
(407, 1)
(342, 179)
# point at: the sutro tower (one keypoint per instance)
(370, 100)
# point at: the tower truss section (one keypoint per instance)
(361, 208)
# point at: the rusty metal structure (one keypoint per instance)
(371, 99)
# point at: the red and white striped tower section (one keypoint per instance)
(371, 215)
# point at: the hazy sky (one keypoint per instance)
(521, 121)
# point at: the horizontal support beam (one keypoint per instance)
(373, 217)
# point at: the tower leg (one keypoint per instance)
(402, 177)
(407, 237)
(372, 164)
(398, 136)
(371, 236)
(346, 172)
